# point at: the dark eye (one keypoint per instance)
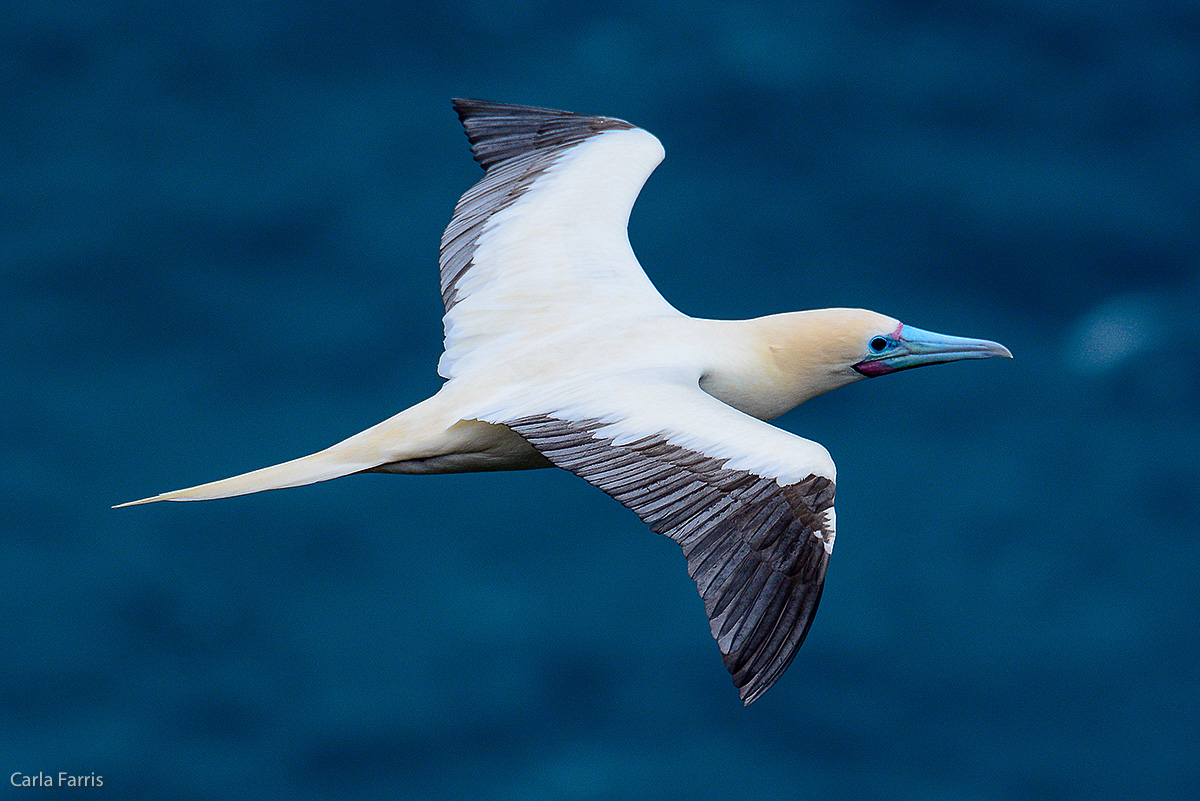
(878, 344)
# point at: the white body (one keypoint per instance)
(553, 330)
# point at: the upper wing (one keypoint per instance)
(541, 238)
(752, 506)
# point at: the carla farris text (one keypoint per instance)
(63, 779)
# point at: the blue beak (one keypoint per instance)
(912, 347)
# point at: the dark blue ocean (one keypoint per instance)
(219, 233)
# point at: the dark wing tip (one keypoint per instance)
(499, 132)
(751, 687)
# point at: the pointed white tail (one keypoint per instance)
(321, 466)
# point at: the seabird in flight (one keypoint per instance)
(560, 352)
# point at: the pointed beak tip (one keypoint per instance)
(996, 349)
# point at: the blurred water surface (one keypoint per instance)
(218, 238)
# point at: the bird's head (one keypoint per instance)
(829, 348)
(886, 346)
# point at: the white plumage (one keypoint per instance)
(560, 351)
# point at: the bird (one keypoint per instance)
(560, 352)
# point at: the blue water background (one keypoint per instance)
(218, 236)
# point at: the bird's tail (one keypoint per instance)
(333, 462)
(419, 432)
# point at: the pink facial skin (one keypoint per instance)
(871, 369)
(876, 368)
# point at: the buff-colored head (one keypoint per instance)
(825, 349)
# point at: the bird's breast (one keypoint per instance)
(753, 394)
(740, 370)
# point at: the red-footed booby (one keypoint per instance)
(560, 352)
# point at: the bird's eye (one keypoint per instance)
(878, 344)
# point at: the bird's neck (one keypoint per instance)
(773, 364)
